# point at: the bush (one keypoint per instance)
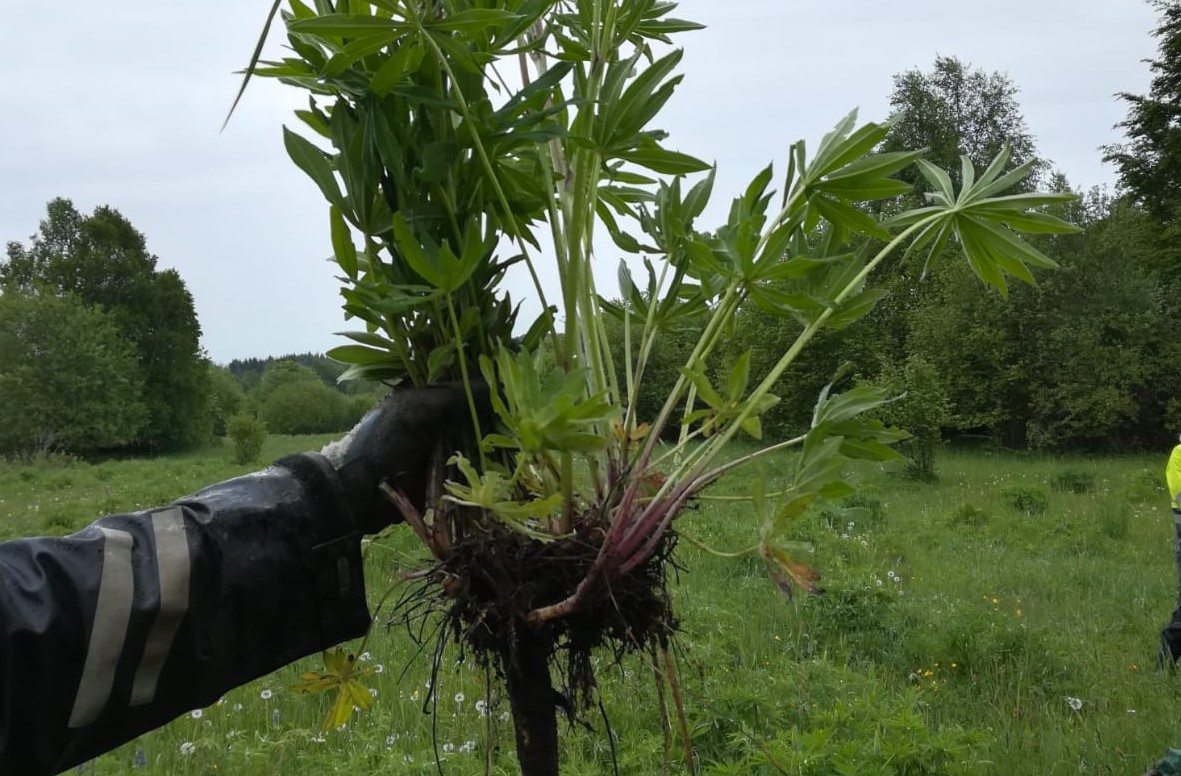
(305, 407)
(966, 514)
(1027, 499)
(247, 434)
(1073, 481)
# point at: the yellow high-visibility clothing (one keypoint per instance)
(1173, 476)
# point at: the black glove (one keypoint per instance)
(399, 442)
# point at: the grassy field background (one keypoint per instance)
(1002, 620)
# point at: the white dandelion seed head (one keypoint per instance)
(482, 707)
(878, 582)
(196, 713)
(389, 740)
(187, 748)
(1075, 704)
(364, 657)
(459, 697)
(237, 707)
(468, 746)
(377, 669)
(265, 695)
(448, 747)
(372, 692)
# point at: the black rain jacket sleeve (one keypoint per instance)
(136, 619)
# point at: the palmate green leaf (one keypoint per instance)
(985, 225)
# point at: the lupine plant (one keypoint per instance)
(454, 139)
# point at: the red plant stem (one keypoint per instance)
(411, 516)
(670, 672)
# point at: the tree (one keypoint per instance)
(920, 408)
(68, 378)
(956, 110)
(226, 398)
(103, 261)
(1149, 163)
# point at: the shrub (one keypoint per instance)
(305, 407)
(1027, 499)
(966, 514)
(1073, 481)
(246, 433)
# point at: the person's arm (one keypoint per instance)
(121, 627)
(136, 619)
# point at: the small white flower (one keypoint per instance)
(850, 526)
(504, 716)
(482, 707)
(377, 669)
(1075, 704)
(364, 657)
(265, 695)
(196, 713)
(318, 739)
(878, 582)
(448, 747)
(468, 746)
(389, 740)
(844, 536)
(221, 701)
(341, 729)
(187, 748)
(891, 574)
(459, 697)
(372, 692)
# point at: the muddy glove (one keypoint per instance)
(399, 442)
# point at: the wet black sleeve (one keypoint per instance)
(119, 628)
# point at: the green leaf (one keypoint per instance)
(662, 161)
(313, 161)
(704, 389)
(358, 354)
(342, 25)
(411, 251)
(739, 377)
(472, 20)
(342, 243)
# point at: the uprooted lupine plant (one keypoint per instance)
(471, 136)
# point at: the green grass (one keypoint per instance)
(942, 645)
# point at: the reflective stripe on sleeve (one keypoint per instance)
(172, 566)
(111, 615)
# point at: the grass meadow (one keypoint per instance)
(1002, 620)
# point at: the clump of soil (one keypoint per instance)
(492, 579)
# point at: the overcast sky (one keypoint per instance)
(121, 104)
